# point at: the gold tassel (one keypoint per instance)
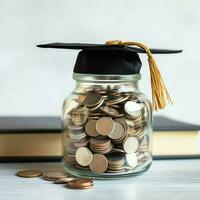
(160, 95)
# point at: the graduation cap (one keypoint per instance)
(119, 58)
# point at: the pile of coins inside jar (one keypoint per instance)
(106, 132)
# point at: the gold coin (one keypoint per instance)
(64, 180)
(54, 175)
(29, 173)
(99, 163)
(83, 156)
(92, 100)
(90, 128)
(117, 132)
(104, 125)
(130, 145)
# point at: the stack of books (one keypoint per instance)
(40, 139)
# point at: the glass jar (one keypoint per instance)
(107, 123)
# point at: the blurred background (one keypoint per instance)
(35, 81)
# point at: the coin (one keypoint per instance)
(79, 115)
(116, 162)
(70, 125)
(29, 173)
(117, 100)
(104, 125)
(132, 108)
(90, 128)
(130, 145)
(131, 160)
(99, 163)
(117, 132)
(123, 122)
(64, 180)
(92, 100)
(82, 183)
(83, 156)
(54, 175)
(100, 145)
(113, 127)
(110, 111)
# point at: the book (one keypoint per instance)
(175, 139)
(40, 138)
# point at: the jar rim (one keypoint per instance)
(106, 78)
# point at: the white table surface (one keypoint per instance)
(166, 179)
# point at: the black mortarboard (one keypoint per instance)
(106, 59)
(117, 57)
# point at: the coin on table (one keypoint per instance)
(130, 145)
(29, 173)
(83, 156)
(104, 125)
(132, 108)
(64, 180)
(92, 100)
(117, 132)
(82, 183)
(90, 128)
(54, 175)
(132, 160)
(99, 163)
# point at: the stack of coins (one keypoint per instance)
(106, 132)
(116, 162)
(100, 145)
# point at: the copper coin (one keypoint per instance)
(80, 183)
(100, 142)
(109, 111)
(104, 125)
(92, 100)
(64, 180)
(123, 122)
(99, 163)
(80, 188)
(29, 173)
(83, 156)
(117, 132)
(54, 175)
(90, 128)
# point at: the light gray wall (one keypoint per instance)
(35, 81)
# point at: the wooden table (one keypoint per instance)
(166, 179)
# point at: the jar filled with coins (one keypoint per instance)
(107, 120)
(107, 127)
